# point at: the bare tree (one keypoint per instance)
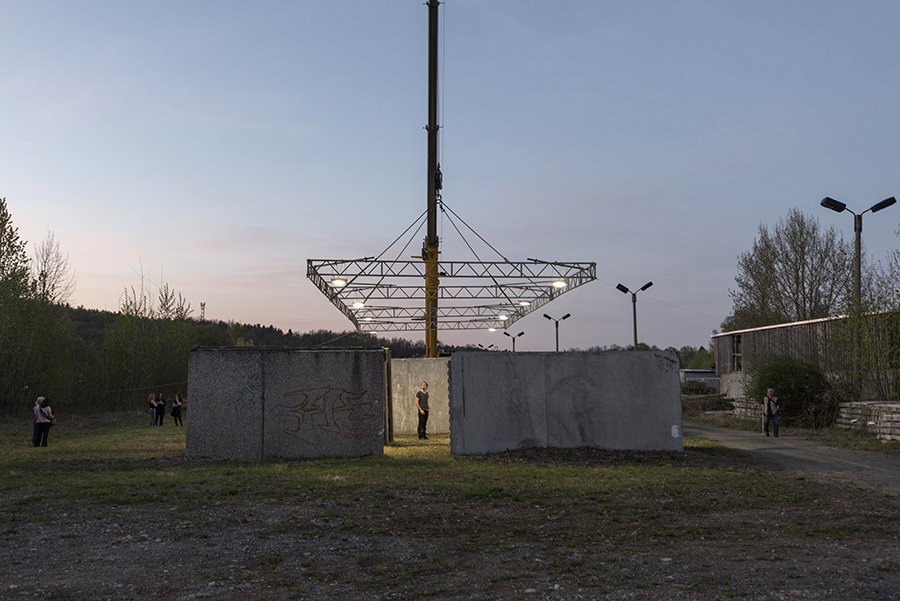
(51, 272)
(796, 272)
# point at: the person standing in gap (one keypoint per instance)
(771, 407)
(152, 402)
(422, 406)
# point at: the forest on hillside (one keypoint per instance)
(86, 360)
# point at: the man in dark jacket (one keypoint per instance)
(422, 406)
(770, 408)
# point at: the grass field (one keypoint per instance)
(604, 507)
(112, 459)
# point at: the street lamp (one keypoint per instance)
(486, 348)
(513, 338)
(839, 207)
(634, 294)
(564, 317)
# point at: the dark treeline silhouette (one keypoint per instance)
(688, 356)
(93, 360)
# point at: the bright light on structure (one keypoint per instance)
(471, 295)
(503, 317)
(492, 329)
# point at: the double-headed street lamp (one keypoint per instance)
(564, 317)
(634, 294)
(513, 338)
(839, 207)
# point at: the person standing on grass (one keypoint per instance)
(152, 402)
(176, 410)
(160, 409)
(770, 409)
(422, 406)
(34, 435)
(42, 415)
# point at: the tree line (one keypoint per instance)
(87, 360)
(798, 271)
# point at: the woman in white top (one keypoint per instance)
(42, 416)
(34, 435)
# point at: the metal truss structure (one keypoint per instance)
(430, 294)
(379, 296)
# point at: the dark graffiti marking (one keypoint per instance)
(247, 396)
(349, 415)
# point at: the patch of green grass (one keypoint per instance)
(270, 560)
(855, 440)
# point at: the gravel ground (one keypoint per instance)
(319, 550)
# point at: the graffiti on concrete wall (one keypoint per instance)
(247, 396)
(313, 412)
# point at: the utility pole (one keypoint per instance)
(430, 247)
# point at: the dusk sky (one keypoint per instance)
(217, 146)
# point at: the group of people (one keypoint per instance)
(158, 409)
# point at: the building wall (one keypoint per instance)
(407, 376)
(733, 385)
(613, 400)
(248, 403)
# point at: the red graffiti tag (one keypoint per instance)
(326, 409)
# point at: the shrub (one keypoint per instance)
(804, 393)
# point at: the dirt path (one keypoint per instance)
(815, 461)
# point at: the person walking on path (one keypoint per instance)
(176, 410)
(42, 415)
(770, 409)
(422, 406)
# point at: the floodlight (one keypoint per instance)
(883, 204)
(835, 205)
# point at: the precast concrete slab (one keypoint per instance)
(263, 403)
(407, 376)
(612, 400)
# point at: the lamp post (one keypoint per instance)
(513, 338)
(625, 290)
(839, 207)
(564, 317)
(486, 348)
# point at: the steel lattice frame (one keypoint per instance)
(382, 296)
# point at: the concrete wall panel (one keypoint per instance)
(407, 376)
(615, 400)
(225, 399)
(306, 403)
